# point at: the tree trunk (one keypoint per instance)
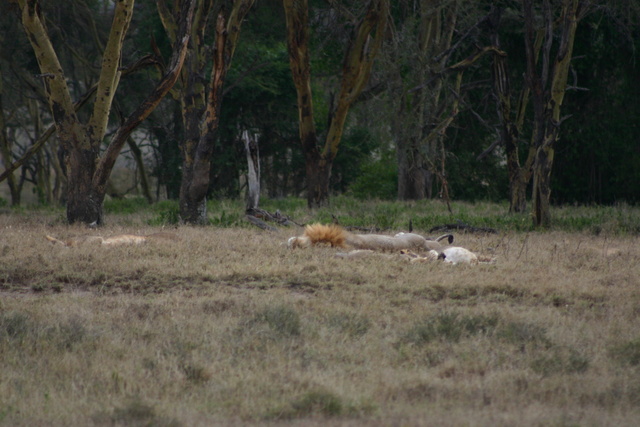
(318, 177)
(361, 52)
(84, 204)
(87, 171)
(548, 89)
(421, 106)
(509, 131)
(201, 100)
(414, 180)
(253, 170)
(542, 185)
(6, 155)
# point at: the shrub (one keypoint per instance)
(378, 179)
(168, 214)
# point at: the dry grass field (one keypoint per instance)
(227, 326)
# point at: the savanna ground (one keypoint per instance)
(227, 326)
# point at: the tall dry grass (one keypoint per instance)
(229, 327)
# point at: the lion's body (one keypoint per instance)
(337, 236)
(122, 239)
(364, 244)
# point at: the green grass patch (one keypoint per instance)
(378, 214)
(125, 206)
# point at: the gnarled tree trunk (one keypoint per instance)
(422, 104)
(201, 100)
(548, 86)
(364, 46)
(87, 170)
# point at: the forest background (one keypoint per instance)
(423, 116)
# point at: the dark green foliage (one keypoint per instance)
(377, 179)
(128, 205)
(168, 213)
(598, 160)
(356, 149)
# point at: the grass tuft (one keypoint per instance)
(627, 353)
(71, 333)
(560, 360)
(136, 413)
(524, 334)
(227, 326)
(313, 403)
(351, 324)
(14, 325)
(281, 319)
(450, 327)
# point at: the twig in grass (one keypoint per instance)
(371, 229)
(260, 223)
(524, 245)
(465, 227)
(258, 217)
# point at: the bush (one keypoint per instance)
(378, 179)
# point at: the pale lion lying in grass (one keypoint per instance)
(363, 244)
(122, 239)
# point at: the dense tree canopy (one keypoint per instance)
(427, 120)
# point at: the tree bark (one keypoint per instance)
(84, 203)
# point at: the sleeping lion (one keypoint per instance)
(361, 244)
